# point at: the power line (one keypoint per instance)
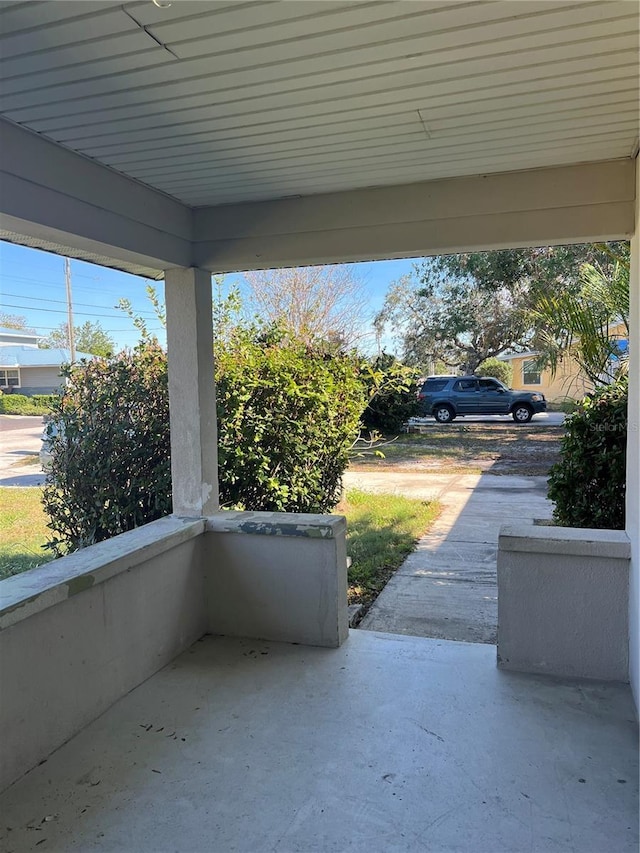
(115, 331)
(59, 311)
(101, 288)
(45, 281)
(62, 302)
(13, 277)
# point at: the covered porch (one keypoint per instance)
(192, 685)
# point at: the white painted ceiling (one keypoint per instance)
(217, 102)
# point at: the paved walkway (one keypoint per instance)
(447, 589)
(20, 437)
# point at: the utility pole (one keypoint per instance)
(72, 337)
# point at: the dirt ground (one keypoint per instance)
(498, 447)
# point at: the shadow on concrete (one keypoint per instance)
(23, 480)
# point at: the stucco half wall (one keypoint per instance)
(78, 633)
(563, 601)
(277, 576)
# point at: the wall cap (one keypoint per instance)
(573, 541)
(299, 524)
(37, 589)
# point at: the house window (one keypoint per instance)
(530, 372)
(9, 378)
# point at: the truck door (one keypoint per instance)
(466, 396)
(493, 398)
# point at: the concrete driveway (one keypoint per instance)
(447, 588)
(19, 438)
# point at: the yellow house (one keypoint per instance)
(569, 380)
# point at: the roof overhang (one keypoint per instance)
(235, 135)
(60, 201)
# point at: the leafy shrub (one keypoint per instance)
(109, 436)
(287, 417)
(393, 399)
(288, 414)
(20, 404)
(587, 484)
(501, 370)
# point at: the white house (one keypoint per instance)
(27, 369)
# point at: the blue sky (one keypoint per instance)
(32, 285)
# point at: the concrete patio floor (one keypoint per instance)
(390, 743)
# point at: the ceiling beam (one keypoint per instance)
(65, 202)
(569, 204)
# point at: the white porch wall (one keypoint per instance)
(633, 455)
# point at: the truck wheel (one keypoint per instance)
(443, 414)
(522, 413)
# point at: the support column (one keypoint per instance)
(633, 454)
(192, 396)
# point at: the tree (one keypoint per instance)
(578, 322)
(15, 321)
(546, 267)
(457, 323)
(501, 370)
(89, 337)
(464, 308)
(312, 303)
(393, 395)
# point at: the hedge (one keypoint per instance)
(19, 404)
(287, 417)
(393, 393)
(587, 484)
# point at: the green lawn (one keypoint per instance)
(24, 531)
(381, 531)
